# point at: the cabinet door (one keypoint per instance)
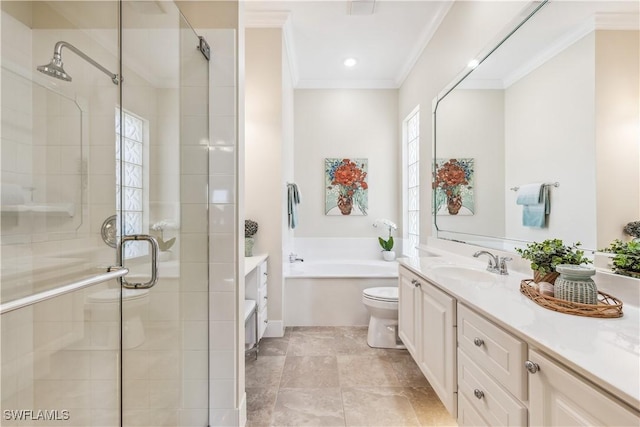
(407, 319)
(437, 312)
(559, 397)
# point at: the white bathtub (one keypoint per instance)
(342, 268)
(329, 292)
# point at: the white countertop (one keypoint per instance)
(605, 351)
(251, 262)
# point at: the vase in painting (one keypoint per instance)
(345, 204)
(454, 203)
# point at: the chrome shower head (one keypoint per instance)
(55, 69)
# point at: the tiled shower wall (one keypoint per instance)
(223, 246)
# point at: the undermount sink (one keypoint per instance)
(460, 272)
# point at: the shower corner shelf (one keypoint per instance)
(53, 208)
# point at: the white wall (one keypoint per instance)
(481, 138)
(466, 30)
(268, 157)
(617, 127)
(549, 131)
(344, 123)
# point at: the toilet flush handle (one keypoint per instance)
(155, 250)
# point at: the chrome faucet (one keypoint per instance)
(294, 258)
(496, 264)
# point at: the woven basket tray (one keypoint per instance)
(608, 306)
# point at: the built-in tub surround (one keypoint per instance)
(604, 351)
(329, 292)
(336, 248)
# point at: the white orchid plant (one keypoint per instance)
(387, 244)
(159, 228)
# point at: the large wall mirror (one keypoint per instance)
(556, 102)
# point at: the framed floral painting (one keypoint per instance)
(346, 188)
(453, 181)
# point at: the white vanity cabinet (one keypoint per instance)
(485, 362)
(558, 397)
(426, 326)
(492, 381)
(263, 319)
(255, 282)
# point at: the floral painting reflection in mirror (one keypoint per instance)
(346, 186)
(453, 181)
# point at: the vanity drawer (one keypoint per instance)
(262, 321)
(263, 274)
(262, 297)
(496, 351)
(491, 402)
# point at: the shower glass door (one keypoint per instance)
(162, 179)
(85, 160)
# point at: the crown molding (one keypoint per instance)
(600, 21)
(617, 21)
(346, 84)
(424, 39)
(266, 18)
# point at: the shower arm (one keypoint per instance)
(57, 54)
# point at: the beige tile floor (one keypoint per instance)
(329, 376)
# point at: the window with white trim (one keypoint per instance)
(411, 181)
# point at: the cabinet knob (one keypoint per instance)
(415, 283)
(479, 342)
(265, 321)
(478, 393)
(265, 297)
(265, 273)
(531, 366)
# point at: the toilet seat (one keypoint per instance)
(384, 294)
(113, 295)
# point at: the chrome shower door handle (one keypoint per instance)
(155, 250)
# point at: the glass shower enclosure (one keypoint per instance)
(104, 136)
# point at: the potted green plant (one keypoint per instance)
(546, 255)
(626, 259)
(633, 229)
(387, 244)
(250, 230)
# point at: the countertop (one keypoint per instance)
(251, 262)
(605, 351)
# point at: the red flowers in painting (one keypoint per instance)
(349, 176)
(450, 176)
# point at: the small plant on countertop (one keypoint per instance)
(250, 228)
(546, 255)
(633, 229)
(626, 259)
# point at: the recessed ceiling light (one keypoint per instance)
(350, 62)
(473, 63)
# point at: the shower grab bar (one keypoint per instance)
(112, 273)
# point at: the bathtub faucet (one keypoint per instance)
(294, 258)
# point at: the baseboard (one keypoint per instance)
(275, 329)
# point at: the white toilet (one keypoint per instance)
(382, 305)
(101, 310)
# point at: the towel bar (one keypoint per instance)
(548, 184)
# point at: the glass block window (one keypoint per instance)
(411, 181)
(129, 180)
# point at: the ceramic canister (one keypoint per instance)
(575, 284)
